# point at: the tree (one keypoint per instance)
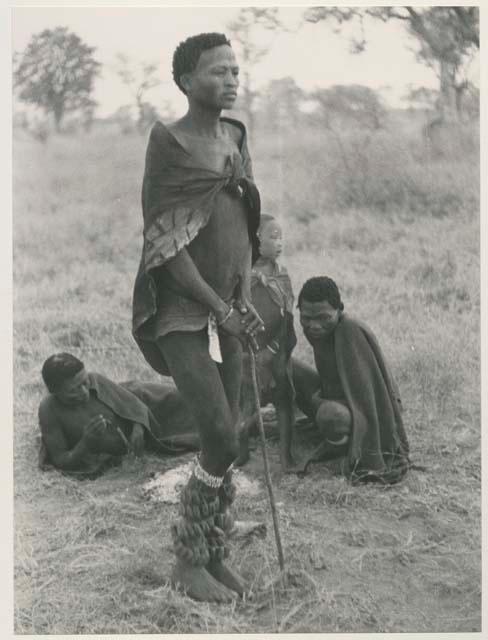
(242, 31)
(56, 72)
(280, 103)
(422, 98)
(351, 104)
(140, 79)
(447, 36)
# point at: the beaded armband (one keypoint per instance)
(200, 474)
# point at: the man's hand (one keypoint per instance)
(241, 326)
(137, 440)
(93, 431)
(249, 317)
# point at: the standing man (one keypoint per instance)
(191, 307)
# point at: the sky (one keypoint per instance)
(313, 55)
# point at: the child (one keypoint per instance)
(272, 294)
(267, 268)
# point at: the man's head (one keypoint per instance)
(320, 307)
(205, 69)
(270, 238)
(65, 377)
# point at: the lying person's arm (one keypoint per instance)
(57, 447)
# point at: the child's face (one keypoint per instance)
(271, 241)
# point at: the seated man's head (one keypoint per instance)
(320, 307)
(205, 69)
(270, 238)
(66, 378)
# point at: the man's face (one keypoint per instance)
(75, 390)
(318, 319)
(214, 82)
(271, 241)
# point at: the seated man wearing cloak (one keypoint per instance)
(352, 394)
(88, 422)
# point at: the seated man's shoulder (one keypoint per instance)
(354, 325)
(47, 408)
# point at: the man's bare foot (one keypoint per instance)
(227, 576)
(198, 584)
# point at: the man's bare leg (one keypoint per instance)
(231, 375)
(199, 381)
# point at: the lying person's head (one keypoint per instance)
(270, 237)
(65, 377)
(320, 307)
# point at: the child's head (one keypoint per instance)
(270, 238)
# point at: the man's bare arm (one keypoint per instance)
(58, 449)
(59, 452)
(185, 272)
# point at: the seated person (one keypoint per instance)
(356, 403)
(87, 422)
(267, 268)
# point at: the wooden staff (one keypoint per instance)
(267, 475)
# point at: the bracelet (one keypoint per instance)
(275, 345)
(227, 316)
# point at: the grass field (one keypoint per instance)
(94, 557)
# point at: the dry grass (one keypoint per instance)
(93, 557)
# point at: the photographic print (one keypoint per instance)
(246, 296)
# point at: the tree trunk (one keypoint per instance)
(58, 112)
(447, 93)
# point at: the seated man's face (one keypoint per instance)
(318, 319)
(75, 390)
(271, 241)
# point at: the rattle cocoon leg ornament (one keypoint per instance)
(223, 521)
(191, 534)
(198, 505)
(217, 538)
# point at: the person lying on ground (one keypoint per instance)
(87, 421)
(356, 403)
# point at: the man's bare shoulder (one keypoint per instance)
(235, 129)
(47, 408)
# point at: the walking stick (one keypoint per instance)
(267, 475)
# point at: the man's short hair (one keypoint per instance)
(321, 289)
(188, 52)
(58, 368)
